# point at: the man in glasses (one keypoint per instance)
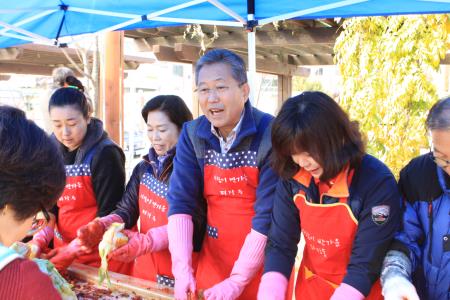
(223, 156)
(32, 177)
(418, 263)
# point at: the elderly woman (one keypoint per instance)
(31, 179)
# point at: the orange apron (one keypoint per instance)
(230, 181)
(153, 208)
(77, 207)
(329, 231)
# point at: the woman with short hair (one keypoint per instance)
(344, 201)
(31, 179)
(145, 195)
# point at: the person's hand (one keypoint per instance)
(273, 286)
(250, 260)
(138, 244)
(346, 292)
(63, 257)
(91, 234)
(225, 290)
(180, 231)
(185, 286)
(40, 241)
(399, 288)
(36, 249)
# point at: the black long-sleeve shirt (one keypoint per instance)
(108, 177)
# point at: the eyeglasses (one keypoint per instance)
(443, 163)
(39, 221)
(218, 90)
(203, 92)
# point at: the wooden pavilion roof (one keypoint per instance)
(281, 48)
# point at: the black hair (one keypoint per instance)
(32, 174)
(72, 81)
(313, 122)
(71, 95)
(173, 106)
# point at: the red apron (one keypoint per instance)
(230, 181)
(329, 231)
(77, 207)
(153, 208)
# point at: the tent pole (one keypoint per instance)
(251, 40)
(252, 65)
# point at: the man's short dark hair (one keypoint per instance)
(237, 65)
(32, 174)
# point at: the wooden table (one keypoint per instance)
(123, 283)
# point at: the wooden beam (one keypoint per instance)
(17, 68)
(187, 52)
(165, 53)
(238, 39)
(311, 60)
(10, 53)
(111, 90)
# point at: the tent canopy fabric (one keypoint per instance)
(47, 21)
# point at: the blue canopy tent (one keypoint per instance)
(49, 21)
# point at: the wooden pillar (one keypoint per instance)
(111, 85)
(284, 89)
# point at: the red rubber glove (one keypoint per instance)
(63, 257)
(91, 234)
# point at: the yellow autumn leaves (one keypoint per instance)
(387, 64)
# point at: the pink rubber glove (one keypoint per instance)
(91, 234)
(64, 256)
(273, 286)
(139, 244)
(41, 240)
(249, 262)
(180, 230)
(346, 292)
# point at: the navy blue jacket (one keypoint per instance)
(372, 185)
(186, 182)
(425, 236)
